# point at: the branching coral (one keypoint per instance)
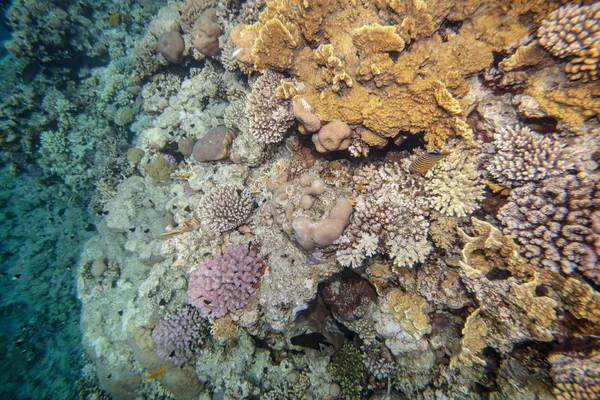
(269, 116)
(226, 207)
(523, 155)
(454, 187)
(574, 31)
(179, 337)
(552, 221)
(390, 217)
(224, 283)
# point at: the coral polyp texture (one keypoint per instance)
(576, 374)
(390, 217)
(179, 337)
(226, 207)
(223, 283)
(523, 155)
(573, 32)
(553, 221)
(269, 115)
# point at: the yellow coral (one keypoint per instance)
(407, 310)
(377, 39)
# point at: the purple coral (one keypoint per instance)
(179, 336)
(224, 282)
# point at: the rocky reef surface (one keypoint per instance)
(321, 199)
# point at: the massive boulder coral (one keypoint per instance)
(551, 219)
(573, 31)
(223, 283)
(310, 212)
(523, 155)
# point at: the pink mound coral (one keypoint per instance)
(224, 283)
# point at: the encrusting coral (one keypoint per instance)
(523, 155)
(224, 282)
(573, 30)
(226, 207)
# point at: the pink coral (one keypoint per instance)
(224, 282)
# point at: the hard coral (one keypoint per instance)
(224, 283)
(552, 221)
(269, 116)
(214, 145)
(206, 33)
(179, 337)
(576, 374)
(390, 217)
(171, 46)
(573, 30)
(332, 137)
(345, 295)
(523, 155)
(226, 207)
(348, 369)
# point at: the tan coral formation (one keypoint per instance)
(354, 65)
(574, 31)
(510, 311)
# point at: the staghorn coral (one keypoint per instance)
(576, 374)
(269, 116)
(390, 217)
(179, 337)
(453, 187)
(573, 30)
(224, 283)
(226, 207)
(551, 219)
(523, 155)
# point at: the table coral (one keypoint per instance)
(573, 31)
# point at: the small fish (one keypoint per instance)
(360, 185)
(311, 340)
(16, 277)
(155, 374)
(426, 161)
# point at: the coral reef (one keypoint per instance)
(551, 219)
(226, 207)
(349, 371)
(390, 217)
(179, 336)
(223, 283)
(269, 115)
(576, 374)
(572, 31)
(523, 155)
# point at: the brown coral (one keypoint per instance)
(576, 375)
(332, 137)
(574, 31)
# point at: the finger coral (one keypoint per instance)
(523, 155)
(226, 207)
(224, 282)
(551, 219)
(179, 337)
(573, 30)
(269, 116)
(390, 217)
